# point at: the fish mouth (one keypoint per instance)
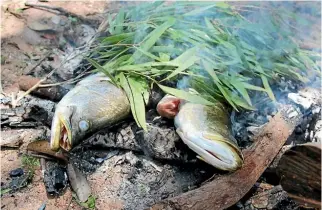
(61, 135)
(219, 154)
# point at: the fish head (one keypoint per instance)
(206, 132)
(68, 128)
(213, 149)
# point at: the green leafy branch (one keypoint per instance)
(217, 47)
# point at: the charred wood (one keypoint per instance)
(300, 172)
(31, 113)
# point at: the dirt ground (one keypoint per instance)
(21, 49)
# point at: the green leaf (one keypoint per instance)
(241, 89)
(210, 70)
(267, 88)
(111, 24)
(119, 20)
(253, 87)
(241, 103)
(185, 95)
(154, 36)
(226, 93)
(148, 54)
(222, 5)
(184, 57)
(117, 38)
(139, 106)
(100, 68)
(126, 87)
(133, 91)
(199, 10)
(183, 67)
(184, 61)
(4, 191)
(164, 57)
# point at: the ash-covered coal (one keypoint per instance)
(87, 159)
(303, 103)
(55, 178)
(160, 142)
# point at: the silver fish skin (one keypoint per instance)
(94, 103)
(206, 130)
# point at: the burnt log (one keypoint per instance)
(226, 190)
(300, 172)
(32, 112)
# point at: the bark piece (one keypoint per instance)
(300, 171)
(43, 148)
(79, 183)
(226, 190)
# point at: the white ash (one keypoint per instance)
(302, 108)
(74, 53)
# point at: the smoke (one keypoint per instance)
(275, 29)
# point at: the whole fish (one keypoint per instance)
(206, 130)
(94, 103)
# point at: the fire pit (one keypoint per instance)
(139, 161)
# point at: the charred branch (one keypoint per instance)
(300, 172)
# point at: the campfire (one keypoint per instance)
(168, 105)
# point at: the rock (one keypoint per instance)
(11, 138)
(16, 172)
(20, 181)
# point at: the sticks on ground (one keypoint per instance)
(61, 11)
(226, 190)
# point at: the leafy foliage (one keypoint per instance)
(213, 43)
(89, 204)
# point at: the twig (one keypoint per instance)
(15, 101)
(19, 16)
(71, 81)
(39, 62)
(60, 10)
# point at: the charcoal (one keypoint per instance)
(16, 172)
(55, 180)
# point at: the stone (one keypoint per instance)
(16, 172)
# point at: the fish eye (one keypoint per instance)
(83, 125)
